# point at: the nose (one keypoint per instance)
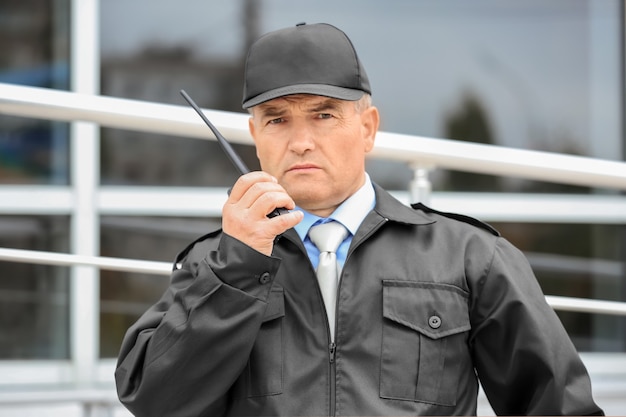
(302, 138)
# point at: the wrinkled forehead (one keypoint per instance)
(303, 102)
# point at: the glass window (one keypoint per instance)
(34, 306)
(581, 261)
(172, 161)
(125, 295)
(154, 63)
(34, 40)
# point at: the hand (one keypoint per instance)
(244, 215)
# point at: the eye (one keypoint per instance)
(325, 116)
(275, 121)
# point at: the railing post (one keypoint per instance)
(85, 171)
(420, 186)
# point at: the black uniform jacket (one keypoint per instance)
(427, 304)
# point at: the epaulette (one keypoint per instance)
(459, 217)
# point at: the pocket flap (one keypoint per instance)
(275, 305)
(433, 309)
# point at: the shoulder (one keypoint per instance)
(389, 207)
(199, 247)
(456, 217)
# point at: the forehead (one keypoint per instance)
(301, 101)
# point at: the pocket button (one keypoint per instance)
(434, 322)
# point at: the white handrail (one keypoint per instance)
(582, 305)
(67, 259)
(416, 150)
(164, 268)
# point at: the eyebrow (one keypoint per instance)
(271, 111)
(327, 104)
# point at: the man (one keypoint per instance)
(425, 304)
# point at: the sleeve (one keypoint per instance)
(183, 355)
(523, 356)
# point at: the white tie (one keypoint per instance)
(327, 237)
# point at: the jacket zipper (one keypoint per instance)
(332, 347)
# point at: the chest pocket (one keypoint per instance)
(424, 341)
(264, 371)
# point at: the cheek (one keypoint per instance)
(351, 147)
(269, 156)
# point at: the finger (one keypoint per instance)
(287, 221)
(261, 198)
(245, 182)
(268, 201)
(272, 227)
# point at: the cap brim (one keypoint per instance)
(340, 93)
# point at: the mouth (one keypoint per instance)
(302, 168)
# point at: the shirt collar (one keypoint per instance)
(350, 213)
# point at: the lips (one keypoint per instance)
(302, 167)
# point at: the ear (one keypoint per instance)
(370, 120)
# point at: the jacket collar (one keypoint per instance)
(388, 207)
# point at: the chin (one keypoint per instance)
(304, 199)
(322, 205)
(303, 189)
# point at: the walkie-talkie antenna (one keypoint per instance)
(234, 157)
(232, 154)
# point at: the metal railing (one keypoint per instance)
(164, 268)
(420, 153)
(417, 151)
(94, 402)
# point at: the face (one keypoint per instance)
(315, 146)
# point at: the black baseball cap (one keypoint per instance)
(314, 59)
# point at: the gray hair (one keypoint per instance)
(363, 103)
